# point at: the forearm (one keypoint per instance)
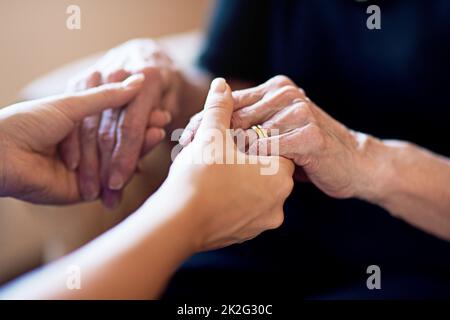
(132, 261)
(412, 183)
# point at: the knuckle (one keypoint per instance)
(125, 164)
(315, 134)
(288, 185)
(152, 73)
(88, 132)
(106, 140)
(127, 132)
(301, 92)
(276, 221)
(88, 174)
(290, 91)
(272, 124)
(113, 74)
(236, 119)
(281, 81)
(301, 110)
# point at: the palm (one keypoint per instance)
(45, 177)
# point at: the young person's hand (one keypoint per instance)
(202, 205)
(326, 153)
(30, 132)
(230, 197)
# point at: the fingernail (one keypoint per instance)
(168, 117)
(162, 133)
(116, 181)
(90, 192)
(218, 85)
(185, 137)
(133, 80)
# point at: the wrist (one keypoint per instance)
(177, 218)
(377, 174)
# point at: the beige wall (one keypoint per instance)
(34, 37)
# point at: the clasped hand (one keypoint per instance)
(219, 204)
(325, 152)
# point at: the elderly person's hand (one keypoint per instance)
(330, 155)
(234, 199)
(30, 167)
(107, 147)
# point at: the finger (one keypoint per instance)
(242, 98)
(263, 109)
(70, 147)
(294, 116)
(245, 138)
(247, 97)
(218, 108)
(88, 172)
(67, 111)
(106, 142)
(131, 130)
(170, 101)
(191, 129)
(159, 118)
(296, 145)
(153, 136)
(89, 102)
(272, 146)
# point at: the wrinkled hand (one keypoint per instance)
(325, 151)
(30, 166)
(107, 147)
(234, 202)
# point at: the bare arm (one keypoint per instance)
(133, 260)
(201, 206)
(411, 183)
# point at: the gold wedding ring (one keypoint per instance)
(262, 133)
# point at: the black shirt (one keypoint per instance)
(390, 83)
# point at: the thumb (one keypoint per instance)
(79, 105)
(218, 108)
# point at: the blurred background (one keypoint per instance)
(35, 39)
(35, 44)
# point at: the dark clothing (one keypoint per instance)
(391, 83)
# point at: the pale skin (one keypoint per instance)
(29, 135)
(410, 182)
(216, 204)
